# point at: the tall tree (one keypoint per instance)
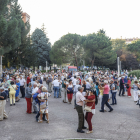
(98, 47)
(18, 54)
(135, 48)
(42, 46)
(69, 49)
(10, 37)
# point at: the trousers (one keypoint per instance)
(114, 101)
(64, 93)
(2, 110)
(22, 90)
(29, 105)
(12, 97)
(105, 102)
(80, 112)
(50, 87)
(56, 92)
(135, 94)
(34, 105)
(121, 90)
(88, 118)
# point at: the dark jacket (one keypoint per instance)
(4, 95)
(121, 83)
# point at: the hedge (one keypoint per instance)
(135, 72)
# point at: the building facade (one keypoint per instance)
(26, 17)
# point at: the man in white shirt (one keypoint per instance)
(79, 107)
(34, 90)
(56, 87)
(88, 86)
(74, 81)
(22, 86)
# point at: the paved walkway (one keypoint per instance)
(122, 124)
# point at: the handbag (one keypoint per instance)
(43, 106)
(127, 86)
(88, 108)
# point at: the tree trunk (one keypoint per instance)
(0, 66)
(92, 63)
(76, 60)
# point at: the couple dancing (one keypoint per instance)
(91, 99)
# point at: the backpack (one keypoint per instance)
(35, 97)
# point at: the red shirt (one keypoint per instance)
(80, 82)
(92, 97)
(28, 80)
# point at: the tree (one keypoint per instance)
(68, 49)
(135, 48)
(43, 28)
(98, 47)
(9, 27)
(18, 55)
(42, 47)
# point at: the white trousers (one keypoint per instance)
(135, 94)
(2, 110)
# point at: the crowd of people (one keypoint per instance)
(85, 88)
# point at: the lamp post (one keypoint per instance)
(0, 66)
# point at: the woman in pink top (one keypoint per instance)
(105, 97)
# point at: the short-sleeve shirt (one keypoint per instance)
(12, 88)
(106, 89)
(22, 81)
(80, 99)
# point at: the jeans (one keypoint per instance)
(105, 101)
(80, 117)
(35, 105)
(114, 101)
(7, 93)
(56, 91)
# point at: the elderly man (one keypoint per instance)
(34, 90)
(79, 107)
(22, 86)
(2, 104)
(121, 86)
(50, 84)
(56, 87)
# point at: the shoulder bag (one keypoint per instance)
(43, 106)
(88, 108)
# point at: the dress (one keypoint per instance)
(129, 89)
(18, 89)
(44, 95)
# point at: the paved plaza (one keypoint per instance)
(121, 124)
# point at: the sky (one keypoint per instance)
(117, 17)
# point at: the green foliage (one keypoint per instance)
(98, 49)
(10, 31)
(67, 50)
(135, 72)
(42, 47)
(135, 48)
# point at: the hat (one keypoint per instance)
(1, 88)
(106, 81)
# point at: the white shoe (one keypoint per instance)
(88, 132)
